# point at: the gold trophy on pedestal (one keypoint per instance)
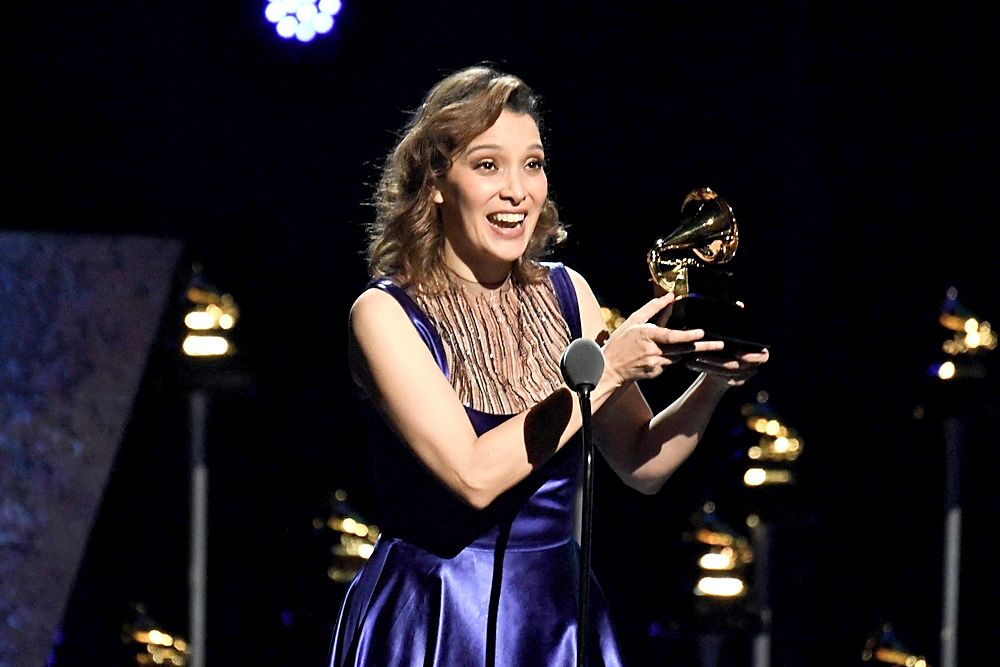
(689, 262)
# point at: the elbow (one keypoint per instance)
(642, 476)
(477, 501)
(646, 486)
(472, 479)
(645, 479)
(475, 492)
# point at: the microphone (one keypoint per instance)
(582, 364)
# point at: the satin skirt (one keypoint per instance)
(503, 606)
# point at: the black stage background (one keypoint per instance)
(857, 143)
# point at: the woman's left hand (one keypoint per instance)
(730, 371)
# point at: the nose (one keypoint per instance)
(513, 190)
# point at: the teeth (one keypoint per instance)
(507, 218)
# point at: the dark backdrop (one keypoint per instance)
(856, 143)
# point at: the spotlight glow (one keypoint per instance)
(274, 11)
(323, 23)
(306, 13)
(286, 26)
(305, 32)
(302, 19)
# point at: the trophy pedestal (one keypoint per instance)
(721, 319)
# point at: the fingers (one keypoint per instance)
(730, 377)
(641, 349)
(663, 316)
(649, 309)
(682, 341)
(684, 348)
(733, 371)
(745, 358)
(674, 350)
(670, 344)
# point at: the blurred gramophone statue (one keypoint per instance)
(354, 540)
(971, 339)
(152, 644)
(688, 262)
(882, 647)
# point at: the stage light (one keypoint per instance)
(153, 646)
(971, 339)
(286, 26)
(777, 447)
(612, 318)
(762, 476)
(720, 587)
(304, 31)
(723, 559)
(882, 647)
(722, 556)
(970, 335)
(302, 19)
(196, 345)
(323, 23)
(354, 538)
(945, 371)
(274, 11)
(211, 316)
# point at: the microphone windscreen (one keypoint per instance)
(582, 364)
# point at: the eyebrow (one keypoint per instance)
(497, 147)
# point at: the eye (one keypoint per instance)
(485, 165)
(535, 164)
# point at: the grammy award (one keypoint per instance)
(690, 263)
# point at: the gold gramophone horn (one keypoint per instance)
(707, 234)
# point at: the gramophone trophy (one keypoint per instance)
(689, 262)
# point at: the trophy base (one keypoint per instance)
(721, 320)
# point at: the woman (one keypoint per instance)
(457, 342)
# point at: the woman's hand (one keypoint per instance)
(640, 350)
(732, 371)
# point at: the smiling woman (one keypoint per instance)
(491, 198)
(457, 342)
(407, 237)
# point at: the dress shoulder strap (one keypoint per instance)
(566, 295)
(419, 319)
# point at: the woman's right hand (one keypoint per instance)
(640, 350)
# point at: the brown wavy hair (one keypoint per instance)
(406, 240)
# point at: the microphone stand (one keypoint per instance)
(585, 531)
(582, 364)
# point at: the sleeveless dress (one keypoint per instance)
(451, 586)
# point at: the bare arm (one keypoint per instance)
(393, 364)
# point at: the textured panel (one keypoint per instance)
(78, 315)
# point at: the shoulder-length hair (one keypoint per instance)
(406, 240)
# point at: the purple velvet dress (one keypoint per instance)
(451, 586)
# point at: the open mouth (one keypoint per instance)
(506, 220)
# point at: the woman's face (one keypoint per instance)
(491, 198)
